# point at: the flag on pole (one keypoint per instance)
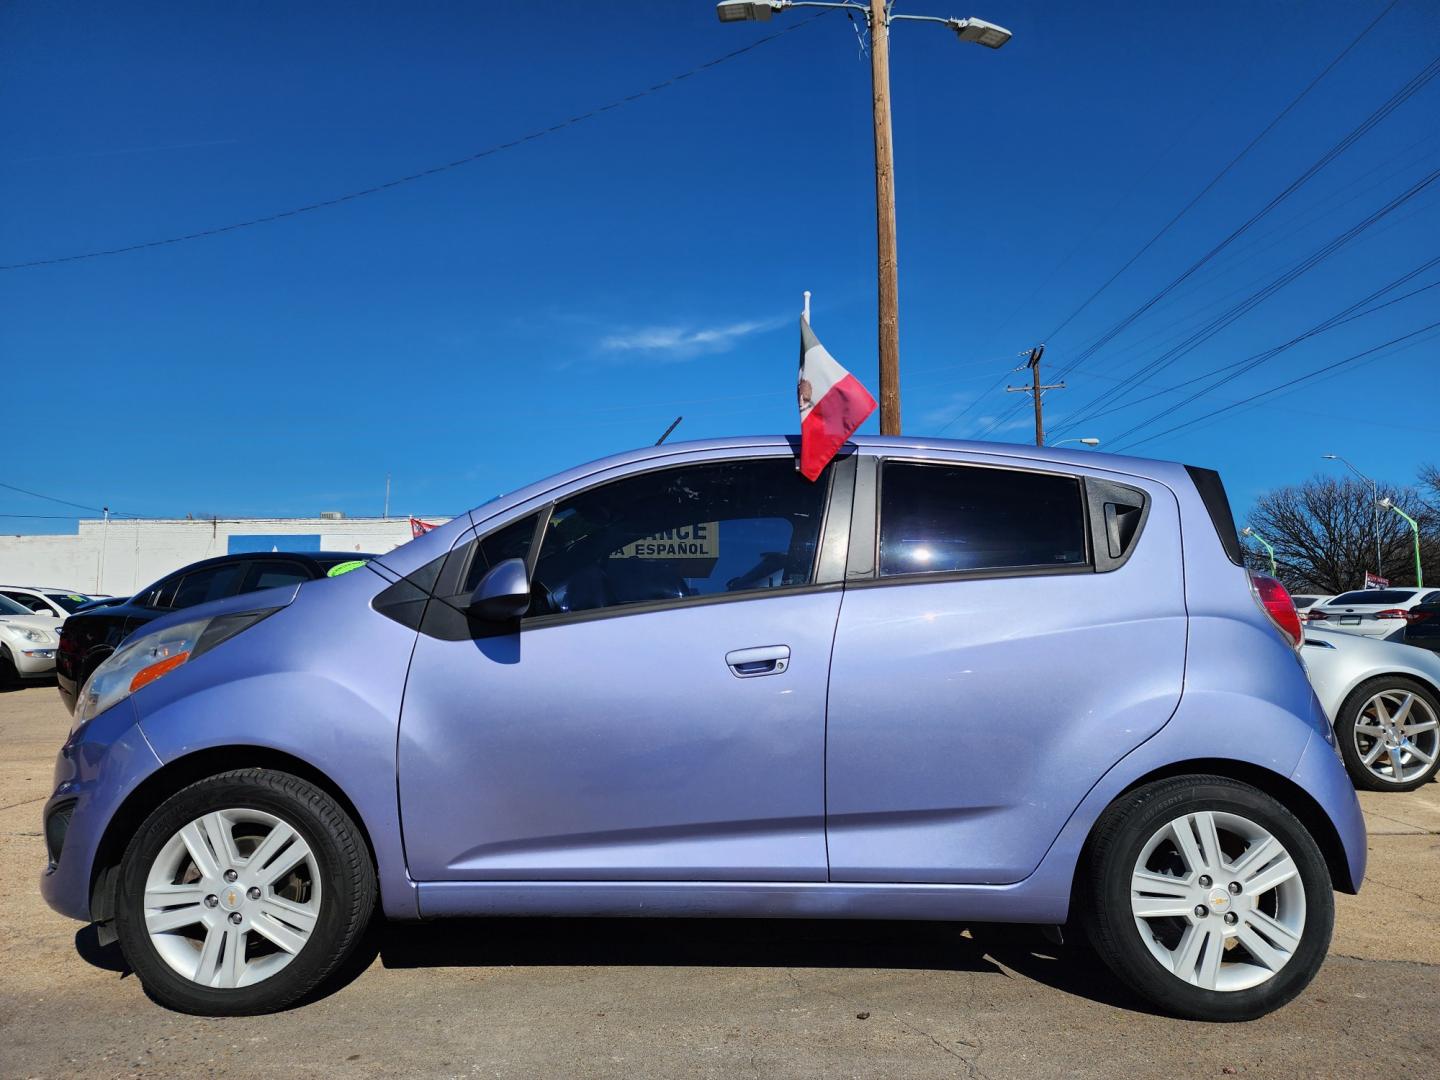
(420, 528)
(833, 403)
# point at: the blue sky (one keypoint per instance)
(568, 298)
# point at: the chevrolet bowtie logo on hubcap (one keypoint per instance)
(1219, 900)
(231, 898)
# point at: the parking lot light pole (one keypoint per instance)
(1375, 498)
(879, 18)
(1389, 504)
(1269, 548)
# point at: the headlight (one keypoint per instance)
(29, 633)
(153, 655)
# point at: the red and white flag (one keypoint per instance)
(833, 403)
(420, 528)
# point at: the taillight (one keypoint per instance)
(1392, 613)
(1315, 616)
(1276, 603)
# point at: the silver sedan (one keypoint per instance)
(1384, 700)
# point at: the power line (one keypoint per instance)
(1258, 358)
(1222, 173)
(422, 174)
(1252, 301)
(1316, 373)
(1230, 372)
(1409, 90)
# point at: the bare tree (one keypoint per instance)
(1323, 532)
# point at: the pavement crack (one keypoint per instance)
(27, 802)
(1373, 880)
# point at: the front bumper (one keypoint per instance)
(97, 769)
(32, 661)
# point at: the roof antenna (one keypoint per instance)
(669, 429)
(806, 313)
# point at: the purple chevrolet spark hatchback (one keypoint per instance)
(954, 681)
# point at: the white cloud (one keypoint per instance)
(672, 342)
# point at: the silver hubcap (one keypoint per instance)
(1218, 901)
(232, 898)
(1396, 737)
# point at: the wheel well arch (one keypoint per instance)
(1425, 681)
(1281, 788)
(180, 773)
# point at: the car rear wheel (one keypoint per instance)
(242, 892)
(1389, 734)
(1208, 897)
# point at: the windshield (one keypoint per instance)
(10, 607)
(68, 601)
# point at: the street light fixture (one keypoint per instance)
(1374, 495)
(879, 18)
(1389, 504)
(746, 10)
(1269, 550)
(1087, 442)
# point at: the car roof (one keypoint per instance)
(46, 589)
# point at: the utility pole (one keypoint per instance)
(885, 255)
(879, 16)
(1037, 392)
(386, 513)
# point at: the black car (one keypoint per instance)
(1422, 626)
(88, 637)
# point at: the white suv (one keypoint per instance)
(27, 643)
(43, 600)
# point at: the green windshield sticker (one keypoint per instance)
(345, 567)
(77, 597)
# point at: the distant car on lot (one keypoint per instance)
(1371, 612)
(1303, 604)
(47, 601)
(89, 636)
(27, 643)
(954, 681)
(1384, 700)
(1422, 626)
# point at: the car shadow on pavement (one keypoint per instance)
(1005, 951)
(991, 949)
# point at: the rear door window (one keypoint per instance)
(937, 519)
(212, 583)
(273, 573)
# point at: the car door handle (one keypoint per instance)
(765, 660)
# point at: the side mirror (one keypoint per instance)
(503, 593)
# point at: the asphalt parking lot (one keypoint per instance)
(648, 998)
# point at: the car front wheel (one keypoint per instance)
(1208, 897)
(242, 892)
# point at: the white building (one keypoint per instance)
(122, 556)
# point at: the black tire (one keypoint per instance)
(347, 882)
(9, 677)
(1350, 715)
(1104, 895)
